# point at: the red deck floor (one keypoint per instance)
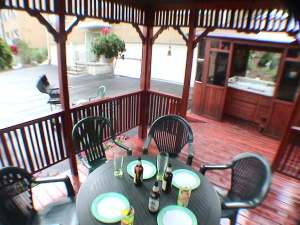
(218, 142)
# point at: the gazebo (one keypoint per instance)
(51, 135)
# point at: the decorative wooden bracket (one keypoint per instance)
(142, 36)
(44, 22)
(73, 24)
(56, 35)
(160, 30)
(185, 38)
(201, 36)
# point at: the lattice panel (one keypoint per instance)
(248, 20)
(107, 10)
(34, 5)
(172, 17)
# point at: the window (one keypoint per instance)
(217, 68)
(255, 63)
(200, 61)
(290, 82)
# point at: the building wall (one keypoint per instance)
(18, 24)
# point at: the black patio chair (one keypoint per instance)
(44, 87)
(250, 182)
(170, 134)
(16, 204)
(88, 135)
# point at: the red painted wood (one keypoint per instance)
(189, 63)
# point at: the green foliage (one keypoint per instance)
(39, 55)
(109, 45)
(5, 56)
(266, 58)
(23, 51)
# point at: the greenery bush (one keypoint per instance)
(39, 55)
(23, 51)
(109, 45)
(5, 56)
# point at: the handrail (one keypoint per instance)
(164, 94)
(30, 122)
(103, 100)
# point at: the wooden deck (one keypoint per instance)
(218, 142)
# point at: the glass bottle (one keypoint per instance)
(153, 205)
(138, 173)
(167, 180)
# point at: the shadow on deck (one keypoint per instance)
(219, 142)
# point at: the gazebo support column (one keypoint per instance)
(189, 64)
(64, 91)
(145, 79)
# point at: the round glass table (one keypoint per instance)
(204, 201)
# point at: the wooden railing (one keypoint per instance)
(39, 143)
(290, 158)
(33, 145)
(161, 104)
(123, 111)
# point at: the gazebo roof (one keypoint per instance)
(247, 16)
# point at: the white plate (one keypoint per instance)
(149, 169)
(176, 215)
(185, 178)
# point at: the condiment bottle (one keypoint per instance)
(153, 205)
(138, 173)
(167, 179)
(128, 216)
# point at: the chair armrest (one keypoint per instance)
(204, 168)
(240, 205)
(146, 145)
(190, 154)
(66, 180)
(129, 150)
(85, 163)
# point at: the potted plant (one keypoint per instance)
(107, 47)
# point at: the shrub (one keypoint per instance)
(109, 45)
(5, 56)
(23, 51)
(39, 55)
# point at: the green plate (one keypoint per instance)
(185, 178)
(107, 207)
(176, 215)
(149, 169)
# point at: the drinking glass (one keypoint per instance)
(161, 164)
(118, 164)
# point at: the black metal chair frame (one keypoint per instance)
(231, 203)
(53, 93)
(88, 136)
(16, 181)
(186, 136)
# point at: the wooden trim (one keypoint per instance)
(64, 89)
(184, 37)
(44, 22)
(73, 24)
(140, 33)
(189, 63)
(160, 30)
(164, 94)
(201, 36)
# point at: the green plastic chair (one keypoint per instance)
(88, 135)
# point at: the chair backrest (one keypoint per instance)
(16, 196)
(171, 133)
(251, 178)
(88, 134)
(42, 84)
(101, 91)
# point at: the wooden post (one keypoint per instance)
(189, 64)
(63, 86)
(294, 120)
(145, 79)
